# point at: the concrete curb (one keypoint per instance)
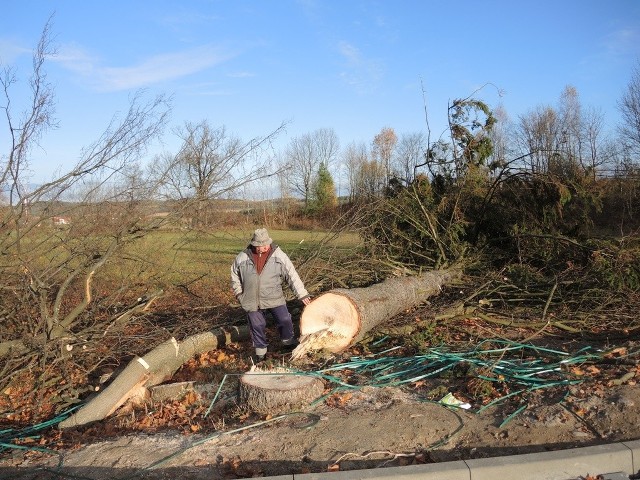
(614, 461)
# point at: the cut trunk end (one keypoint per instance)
(339, 318)
(328, 323)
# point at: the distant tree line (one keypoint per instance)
(568, 140)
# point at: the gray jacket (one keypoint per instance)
(255, 291)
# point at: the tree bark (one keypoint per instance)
(152, 369)
(341, 317)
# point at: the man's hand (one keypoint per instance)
(306, 300)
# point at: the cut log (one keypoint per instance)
(170, 391)
(277, 391)
(152, 369)
(341, 317)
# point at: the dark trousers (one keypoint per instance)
(258, 325)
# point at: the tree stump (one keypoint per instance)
(276, 391)
(341, 317)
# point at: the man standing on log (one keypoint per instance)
(257, 275)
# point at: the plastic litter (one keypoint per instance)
(451, 401)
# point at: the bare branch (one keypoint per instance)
(38, 118)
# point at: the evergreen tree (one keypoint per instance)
(325, 197)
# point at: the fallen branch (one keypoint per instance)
(522, 324)
(22, 346)
(336, 464)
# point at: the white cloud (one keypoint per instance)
(186, 18)
(350, 52)
(10, 51)
(623, 41)
(75, 59)
(241, 75)
(156, 69)
(361, 73)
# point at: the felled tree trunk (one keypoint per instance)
(278, 390)
(341, 317)
(152, 369)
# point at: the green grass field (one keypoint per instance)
(204, 259)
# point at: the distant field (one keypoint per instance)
(190, 257)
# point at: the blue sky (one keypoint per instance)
(354, 66)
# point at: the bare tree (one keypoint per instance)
(212, 163)
(563, 141)
(72, 254)
(26, 130)
(284, 182)
(302, 163)
(372, 180)
(629, 107)
(48, 298)
(305, 154)
(593, 156)
(537, 134)
(384, 144)
(570, 121)
(501, 138)
(327, 146)
(408, 154)
(355, 156)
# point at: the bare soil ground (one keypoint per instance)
(367, 427)
(373, 428)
